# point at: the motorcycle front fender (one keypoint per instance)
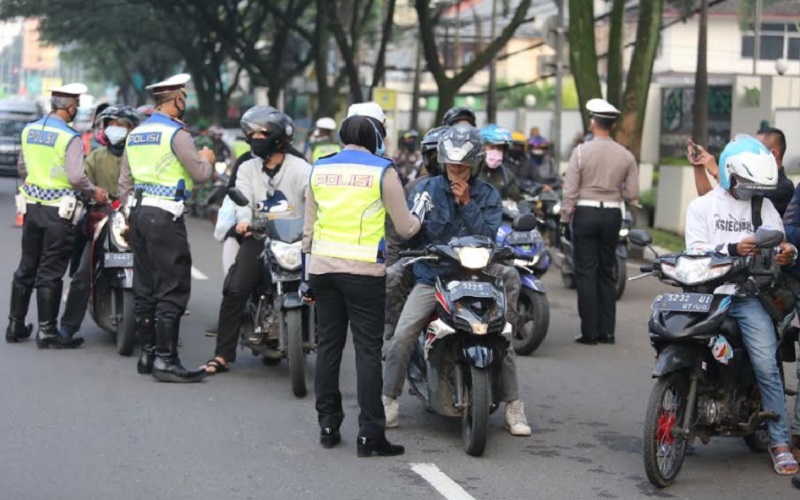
(121, 277)
(532, 282)
(291, 300)
(675, 358)
(622, 251)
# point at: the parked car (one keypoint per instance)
(14, 115)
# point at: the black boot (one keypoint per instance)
(146, 333)
(378, 446)
(329, 438)
(166, 366)
(47, 302)
(20, 298)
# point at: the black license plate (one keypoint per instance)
(685, 302)
(475, 289)
(118, 260)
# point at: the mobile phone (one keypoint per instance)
(695, 151)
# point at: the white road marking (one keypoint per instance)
(439, 480)
(196, 274)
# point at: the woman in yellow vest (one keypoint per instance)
(348, 198)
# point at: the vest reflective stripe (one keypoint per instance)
(44, 144)
(323, 148)
(350, 214)
(150, 155)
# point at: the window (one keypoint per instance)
(794, 49)
(778, 41)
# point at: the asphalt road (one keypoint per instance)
(83, 425)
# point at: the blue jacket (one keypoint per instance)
(791, 227)
(480, 217)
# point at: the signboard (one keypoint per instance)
(49, 83)
(677, 119)
(386, 98)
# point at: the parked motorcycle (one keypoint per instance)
(532, 260)
(705, 381)
(278, 324)
(455, 366)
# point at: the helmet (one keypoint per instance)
(747, 167)
(326, 124)
(121, 113)
(456, 114)
(462, 145)
(277, 126)
(410, 134)
(498, 136)
(408, 140)
(518, 138)
(430, 142)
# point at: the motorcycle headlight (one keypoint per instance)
(556, 208)
(118, 226)
(474, 258)
(288, 255)
(694, 271)
(623, 233)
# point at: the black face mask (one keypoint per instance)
(262, 148)
(515, 154)
(181, 112)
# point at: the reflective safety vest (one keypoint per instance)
(44, 145)
(323, 148)
(239, 148)
(350, 213)
(154, 167)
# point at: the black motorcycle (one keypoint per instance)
(455, 366)
(705, 381)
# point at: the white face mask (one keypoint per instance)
(115, 134)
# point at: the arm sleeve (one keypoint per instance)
(125, 179)
(632, 181)
(513, 186)
(483, 219)
(697, 234)
(572, 182)
(244, 183)
(770, 216)
(310, 220)
(183, 146)
(21, 169)
(394, 199)
(76, 174)
(89, 165)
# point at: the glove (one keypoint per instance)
(422, 205)
(306, 292)
(566, 233)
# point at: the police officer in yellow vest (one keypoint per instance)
(51, 164)
(322, 142)
(348, 198)
(162, 165)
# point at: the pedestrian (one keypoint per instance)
(601, 174)
(51, 165)
(162, 164)
(349, 195)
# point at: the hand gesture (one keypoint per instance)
(699, 157)
(242, 228)
(747, 246)
(460, 190)
(100, 195)
(207, 155)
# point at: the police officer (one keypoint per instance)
(322, 143)
(162, 164)
(51, 163)
(600, 175)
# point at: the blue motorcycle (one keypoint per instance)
(532, 260)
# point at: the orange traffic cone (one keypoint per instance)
(19, 221)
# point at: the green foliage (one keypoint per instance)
(648, 199)
(545, 93)
(666, 239)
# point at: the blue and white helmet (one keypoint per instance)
(496, 135)
(747, 167)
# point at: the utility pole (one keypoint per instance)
(757, 41)
(556, 135)
(491, 101)
(415, 97)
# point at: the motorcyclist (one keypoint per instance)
(457, 115)
(407, 160)
(722, 219)
(518, 161)
(323, 142)
(463, 205)
(495, 172)
(274, 180)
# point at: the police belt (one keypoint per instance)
(176, 208)
(601, 204)
(47, 196)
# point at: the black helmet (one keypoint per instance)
(277, 126)
(462, 145)
(457, 114)
(121, 113)
(430, 142)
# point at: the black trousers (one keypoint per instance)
(243, 277)
(47, 243)
(356, 300)
(162, 264)
(596, 235)
(79, 292)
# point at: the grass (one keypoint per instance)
(666, 239)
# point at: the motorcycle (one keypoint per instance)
(532, 260)
(621, 270)
(111, 304)
(277, 303)
(705, 381)
(456, 364)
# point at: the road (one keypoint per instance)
(82, 424)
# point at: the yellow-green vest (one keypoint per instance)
(44, 145)
(350, 217)
(323, 148)
(153, 163)
(239, 148)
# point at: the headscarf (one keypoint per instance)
(363, 131)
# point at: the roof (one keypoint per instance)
(769, 9)
(468, 10)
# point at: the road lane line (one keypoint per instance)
(439, 480)
(196, 274)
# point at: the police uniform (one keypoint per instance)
(52, 165)
(601, 174)
(324, 147)
(161, 164)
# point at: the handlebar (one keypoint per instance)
(646, 269)
(413, 253)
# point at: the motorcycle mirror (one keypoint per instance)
(527, 222)
(766, 238)
(238, 197)
(639, 237)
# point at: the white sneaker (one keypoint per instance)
(516, 423)
(391, 407)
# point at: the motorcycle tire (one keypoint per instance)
(666, 409)
(294, 351)
(475, 418)
(533, 311)
(758, 442)
(622, 276)
(125, 327)
(568, 280)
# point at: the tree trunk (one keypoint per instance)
(637, 86)
(615, 62)
(415, 95)
(386, 36)
(325, 94)
(583, 53)
(347, 49)
(700, 129)
(274, 95)
(447, 99)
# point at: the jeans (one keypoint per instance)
(758, 334)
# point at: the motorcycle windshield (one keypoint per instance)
(285, 230)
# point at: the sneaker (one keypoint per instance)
(516, 423)
(391, 407)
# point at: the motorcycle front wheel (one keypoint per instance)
(533, 321)
(294, 351)
(663, 451)
(125, 326)
(475, 418)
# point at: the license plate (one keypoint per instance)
(686, 302)
(118, 260)
(477, 289)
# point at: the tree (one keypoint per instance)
(700, 125)
(583, 52)
(614, 61)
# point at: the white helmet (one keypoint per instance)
(747, 167)
(326, 124)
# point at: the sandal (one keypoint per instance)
(783, 462)
(216, 366)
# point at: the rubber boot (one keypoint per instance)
(167, 366)
(20, 299)
(146, 333)
(48, 299)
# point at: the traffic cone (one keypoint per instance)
(19, 221)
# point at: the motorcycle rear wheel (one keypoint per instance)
(475, 419)
(663, 451)
(125, 327)
(534, 321)
(294, 351)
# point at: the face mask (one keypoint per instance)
(515, 154)
(494, 158)
(181, 112)
(115, 134)
(261, 148)
(380, 148)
